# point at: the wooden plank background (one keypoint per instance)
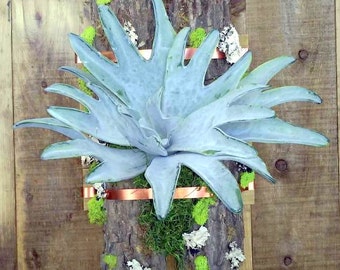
(52, 229)
(296, 223)
(7, 188)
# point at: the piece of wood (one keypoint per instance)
(7, 181)
(53, 231)
(247, 243)
(296, 222)
(337, 19)
(122, 223)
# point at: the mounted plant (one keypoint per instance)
(164, 117)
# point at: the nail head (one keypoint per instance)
(303, 54)
(281, 165)
(287, 260)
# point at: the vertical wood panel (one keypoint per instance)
(52, 230)
(7, 183)
(337, 19)
(296, 222)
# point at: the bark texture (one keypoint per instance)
(122, 233)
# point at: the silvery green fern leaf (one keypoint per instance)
(163, 112)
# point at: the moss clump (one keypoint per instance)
(165, 236)
(110, 260)
(103, 2)
(247, 178)
(93, 165)
(82, 86)
(97, 213)
(196, 37)
(89, 34)
(201, 263)
(200, 211)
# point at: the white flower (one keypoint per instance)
(235, 256)
(135, 265)
(196, 239)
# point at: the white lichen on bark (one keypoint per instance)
(235, 256)
(196, 239)
(229, 44)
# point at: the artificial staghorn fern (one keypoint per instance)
(162, 110)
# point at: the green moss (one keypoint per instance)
(92, 166)
(110, 260)
(200, 211)
(97, 213)
(247, 178)
(89, 34)
(165, 236)
(201, 263)
(196, 37)
(82, 86)
(103, 2)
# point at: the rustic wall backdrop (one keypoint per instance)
(296, 223)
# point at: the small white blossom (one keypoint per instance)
(235, 256)
(196, 239)
(135, 265)
(230, 44)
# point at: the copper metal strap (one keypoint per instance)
(146, 193)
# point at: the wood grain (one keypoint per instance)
(52, 230)
(248, 239)
(337, 19)
(7, 181)
(296, 222)
(224, 226)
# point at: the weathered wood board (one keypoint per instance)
(296, 222)
(7, 183)
(52, 230)
(122, 223)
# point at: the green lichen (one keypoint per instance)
(97, 213)
(200, 211)
(89, 34)
(247, 178)
(82, 86)
(197, 36)
(103, 2)
(201, 263)
(110, 260)
(93, 165)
